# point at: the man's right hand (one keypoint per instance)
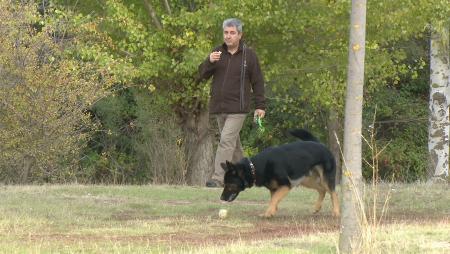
(214, 56)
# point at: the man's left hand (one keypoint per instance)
(259, 113)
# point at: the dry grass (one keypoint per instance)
(174, 219)
(373, 201)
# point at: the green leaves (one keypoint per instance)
(302, 47)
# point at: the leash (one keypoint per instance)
(259, 122)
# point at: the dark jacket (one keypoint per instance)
(226, 83)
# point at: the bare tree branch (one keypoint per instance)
(166, 3)
(151, 12)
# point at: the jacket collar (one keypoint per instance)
(240, 48)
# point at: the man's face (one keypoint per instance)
(231, 36)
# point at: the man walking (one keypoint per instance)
(236, 76)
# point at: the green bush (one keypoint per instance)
(140, 141)
(282, 115)
(400, 126)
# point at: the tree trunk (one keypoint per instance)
(152, 13)
(438, 130)
(199, 149)
(335, 131)
(351, 186)
(28, 163)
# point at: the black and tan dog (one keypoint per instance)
(307, 162)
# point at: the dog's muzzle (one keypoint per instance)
(229, 197)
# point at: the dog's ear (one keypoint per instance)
(227, 166)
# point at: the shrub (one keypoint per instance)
(43, 99)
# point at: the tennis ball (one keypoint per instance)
(223, 213)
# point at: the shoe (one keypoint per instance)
(213, 184)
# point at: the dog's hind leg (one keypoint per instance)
(319, 201)
(315, 181)
(335, 200)
(277, 196)
(324, 184)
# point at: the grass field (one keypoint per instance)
(180, 219)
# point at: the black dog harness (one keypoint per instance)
(252, 170)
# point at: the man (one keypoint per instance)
(236, 75)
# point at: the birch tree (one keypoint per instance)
(438, 131)
(350, 232)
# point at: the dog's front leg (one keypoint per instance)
(277, 196)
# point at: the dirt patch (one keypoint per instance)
(279, 227)
(96, 199)
(416, 218)
(178, 202)
(260, 229)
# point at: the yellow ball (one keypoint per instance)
(223, 213)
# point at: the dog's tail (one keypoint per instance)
(303, 135)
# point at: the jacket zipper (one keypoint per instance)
(242, 79)
(223, 83)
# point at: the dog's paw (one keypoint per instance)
(269, 213)
(265, 216)
(336, 212)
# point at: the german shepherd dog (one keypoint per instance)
(307, 162)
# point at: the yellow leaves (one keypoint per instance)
(187, 38)
(356, 47)
(372, 45)
(45, 97)
(347, 173)
(189, 34)
(90, 27)
(152, 88)
(178, 41)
